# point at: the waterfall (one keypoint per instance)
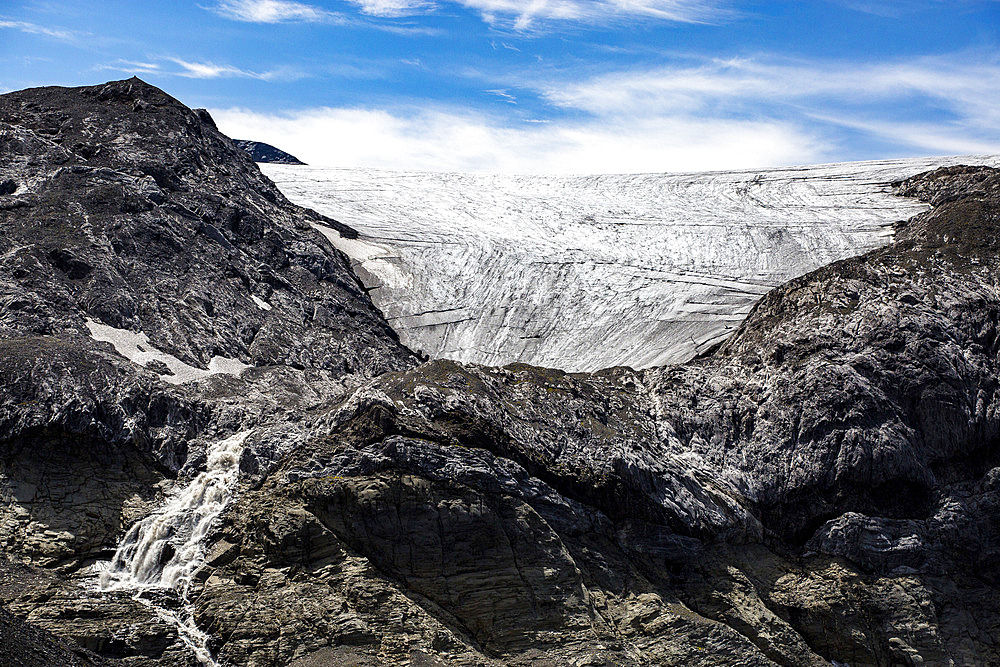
(164, 550)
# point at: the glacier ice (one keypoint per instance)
(587, 272)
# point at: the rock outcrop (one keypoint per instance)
(135, 234)
(28, 646)
(823, 488)
(261, 152)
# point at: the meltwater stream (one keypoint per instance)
(164, 550)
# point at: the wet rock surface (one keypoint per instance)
(824, 487)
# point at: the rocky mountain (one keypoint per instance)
(157, 294)
(213, 448)
(584, 273)
(261, 152)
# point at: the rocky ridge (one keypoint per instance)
(125, 212)
(261, 152)
(822, 488)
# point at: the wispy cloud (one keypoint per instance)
(133, 67)
(35, 29)
(524, 13)
(518, 14)
(502, 94)
(273, 11)
(954, 138)
(971, 80)
(963, 90)
(282, 11)
(392, 7)
(208, 70)
(900, 8)
(201, 70)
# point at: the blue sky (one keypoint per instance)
(544, 86)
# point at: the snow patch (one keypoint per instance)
(263, 305)
(390, 275)
(136, 348)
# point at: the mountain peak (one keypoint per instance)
(261, 152)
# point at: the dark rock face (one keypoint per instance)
(825, 487)
(30, 646)
(261, 152)
(131, 213)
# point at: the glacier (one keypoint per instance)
(588, 272)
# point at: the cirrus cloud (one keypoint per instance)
(36, 29)
(193, 69)
(272, 11)
(962, 89)
(519, 14)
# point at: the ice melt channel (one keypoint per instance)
(164, 550)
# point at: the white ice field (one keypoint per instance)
(582, 273)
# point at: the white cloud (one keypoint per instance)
(927, 138)
(962, 90)
(35, 29)
(392, 7)
(955, 80)
(449, 140)
(502, 94)
(520, 14)
(525, 12)
(716, 115)
(283, 11)
(206, 70)
(899, 8)
(202, 70)
(272, 11)
(133, 66)
(152, 67)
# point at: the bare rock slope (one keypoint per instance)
(825, 487)
(157, 294)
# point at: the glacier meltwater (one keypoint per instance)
(582, 273)
(164, 550)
